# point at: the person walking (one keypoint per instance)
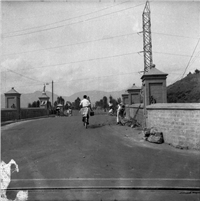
(120, 113)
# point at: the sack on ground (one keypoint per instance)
(157, 137)
(91, 113)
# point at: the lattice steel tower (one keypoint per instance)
(147, 46)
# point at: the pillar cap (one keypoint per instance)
(154, 72)
(133, 88)
(12, 91)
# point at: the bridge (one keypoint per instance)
(59, 159)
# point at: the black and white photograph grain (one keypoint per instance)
(100, 100)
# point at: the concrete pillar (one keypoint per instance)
(134, 94)
(44, 99)
(154, 83)
(125, 99)
(12, 100)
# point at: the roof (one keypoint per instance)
(12, 91)
(154, 71)
(44, 95)
(133, 87)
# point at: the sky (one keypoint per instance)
(94, 45)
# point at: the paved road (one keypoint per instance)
(61, 160)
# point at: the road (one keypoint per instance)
(61, 160)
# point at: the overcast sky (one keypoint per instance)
(92, 45)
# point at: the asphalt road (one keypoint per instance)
(61, 160)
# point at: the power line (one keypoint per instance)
(175, 35)
(100, 58)
(100, 39)
(182, 55)
(67, 19)
(24, 76)
(92, 78)
(98, 77)
(86, 60)
(191, 57)
(55, 47)
(82, 21)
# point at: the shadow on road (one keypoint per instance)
(96, 125)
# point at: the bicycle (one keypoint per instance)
(85, 122)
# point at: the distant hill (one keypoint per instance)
(186, 90)
(94, 96)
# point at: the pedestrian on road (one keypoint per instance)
(120, 113)
(111, 111)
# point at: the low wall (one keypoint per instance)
(179, 122)
(8, 114)
(26, 113)
(131, 111)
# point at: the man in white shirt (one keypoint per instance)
(120, 113)
(85, 104)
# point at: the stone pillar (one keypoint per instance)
(125, 99)
(134, 94)
(154, 83)
(44, 99)
(12, 100)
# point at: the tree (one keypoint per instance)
(105, 102)
(38, 103)
(76, 104)
(29, 105)
(60, 100)
(34, 104)
(197, 71)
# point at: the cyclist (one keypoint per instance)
(85, 106)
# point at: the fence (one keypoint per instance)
(24, 113)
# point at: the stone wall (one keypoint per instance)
(25, 113)
(179, 122)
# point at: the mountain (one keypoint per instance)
(186, 90)
(94, 96)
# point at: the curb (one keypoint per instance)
(21, 120)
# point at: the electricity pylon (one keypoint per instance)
(147, 45)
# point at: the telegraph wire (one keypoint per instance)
(55, 47)
(82, 21)
(191, 57)
(24, 76)
(182, 55)
(100, 58)
(73, 62)
(68, 18)
(92, 78)
(95, 40)
(174, 35)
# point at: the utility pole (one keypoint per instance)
(147, 48)
(52, 95)
(147, 45)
